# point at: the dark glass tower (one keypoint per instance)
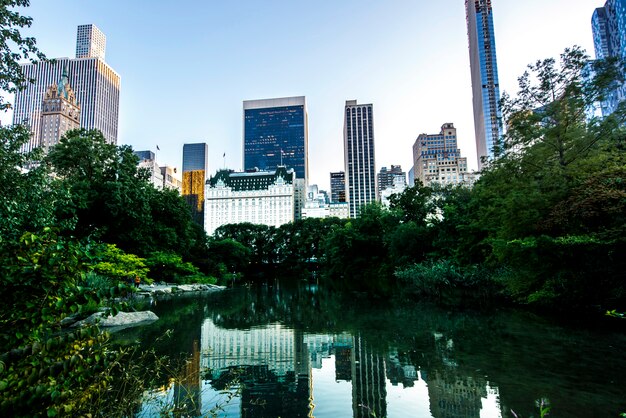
(195, 168)
(358, 141)
(608, 25)
(485, 85)
(276, 133)
(338, 187)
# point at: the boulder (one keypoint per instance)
(121, 319)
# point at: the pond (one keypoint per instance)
(299, 351)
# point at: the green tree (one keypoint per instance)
(28, 194)
(356, 255)
(14, 48)
(551, 206)
(113, 201)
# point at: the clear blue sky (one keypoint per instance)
(187, 66)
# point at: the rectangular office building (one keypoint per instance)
(275, 133)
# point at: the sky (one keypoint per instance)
(186, 67)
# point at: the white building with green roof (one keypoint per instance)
(258, 197)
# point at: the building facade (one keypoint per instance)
(59, 113)
(338, 187)
(90, 42)
(359, 155)
(318, 206)
(608, 25)
(485, 84)
(259, 197)
(275, 133)
(195, 172)
(170, 178)
(95, 84)
(160, 177)
(397, 187)
(437, 159)
(390, 178)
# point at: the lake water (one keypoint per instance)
(298, 351)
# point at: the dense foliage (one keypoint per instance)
(75, 227)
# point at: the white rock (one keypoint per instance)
(121, 319)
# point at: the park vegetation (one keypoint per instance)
(544, 225)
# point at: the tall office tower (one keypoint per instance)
(275, 133)
(369, 381)
(437, 159)
(600, 30)
(90, 42)
(387, 178)
(338, 187)
(360, 161)
(485, 86)
(195, 170)
(608, 25)
(59, 113)
(96, 85)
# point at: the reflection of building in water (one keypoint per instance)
(187, 391)
(271, 346)
(399, 371)
(272, 363)
(369, 393)
(452, 393)
(455, 396)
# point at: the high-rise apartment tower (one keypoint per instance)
(275, 133)
(485, 85)
(360, 160)
(96, 85)
(608, 25)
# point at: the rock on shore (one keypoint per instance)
(124, 319)
(168, 289)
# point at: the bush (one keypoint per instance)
(170, 267)
(118, 265)
(445, 279)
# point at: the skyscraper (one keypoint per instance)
(608, 25)
(96, 85)
(360, 161)
(90, 42)
(195, 170)
(601, 35)
(338, 187)
(59, 113)
(275, 133)
(485, 85)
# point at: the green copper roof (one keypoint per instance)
(259, 180)
(63, 87)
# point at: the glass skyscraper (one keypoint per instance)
(97, 88)
(276, 133)
(195, 168)
(360, 160)
(485, 85)
(608, 25)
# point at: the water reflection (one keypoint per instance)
(294, 352)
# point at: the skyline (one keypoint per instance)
(192, 68)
